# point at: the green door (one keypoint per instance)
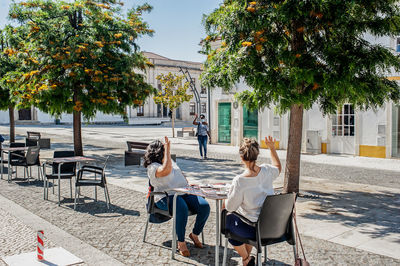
(224, 122)
(250, 123)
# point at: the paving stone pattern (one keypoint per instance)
(119, 231)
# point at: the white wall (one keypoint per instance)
(368, 127)
(4, 119)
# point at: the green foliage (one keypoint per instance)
(303, 52)
(7, 64)
(79, 56)
(174, 92)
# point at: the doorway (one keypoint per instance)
(343, 130)
(24, 114)
(224, 122)
(250, 123)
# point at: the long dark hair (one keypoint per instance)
(154, 153)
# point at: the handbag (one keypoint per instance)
(299, 261)
(198, 127)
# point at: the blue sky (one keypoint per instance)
(177, 25)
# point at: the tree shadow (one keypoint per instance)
(98, 208)
(380, 209)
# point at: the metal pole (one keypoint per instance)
(2, 163)
(174, 227)
(209, 110)
(217, 237)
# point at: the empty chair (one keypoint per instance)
(14, 157)
(88, 177)
(31, 158)
(32, 139)
(274, 225)
(67, 171)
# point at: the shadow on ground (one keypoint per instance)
(379, 210)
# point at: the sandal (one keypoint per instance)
(197, 243)
(252, 261)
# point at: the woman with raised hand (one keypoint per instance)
(248, 192)
(164, 175)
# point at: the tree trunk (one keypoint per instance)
(173, 122)
(77, 133)
(12, 123)
(292, 171)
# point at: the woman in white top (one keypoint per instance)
(248, 192)
(164, 175)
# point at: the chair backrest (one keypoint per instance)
(66, 167)
(16, 145)
(33, 135)
(275, 215)
(32, 156)
(136, 145)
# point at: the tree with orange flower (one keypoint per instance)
(8, 64)
(83, 58)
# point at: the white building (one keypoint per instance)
(158, 113)
(149, 113)
(372, 133)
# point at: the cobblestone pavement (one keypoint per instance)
(16, 237)
(119, 231)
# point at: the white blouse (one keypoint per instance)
(247, 194)
(175, 179)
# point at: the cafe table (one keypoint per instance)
(9, 150)
(208, 192)
(60, 161)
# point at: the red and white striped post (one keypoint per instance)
(40, 245)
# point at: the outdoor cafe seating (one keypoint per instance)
(87, 177)
(274, 225)
(67, 171)
(156, 215)
(24, 158)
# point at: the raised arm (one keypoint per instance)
(194, 121)
(166, 168)
(270, 142)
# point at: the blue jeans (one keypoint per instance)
(239, 228)
(202, 144)
(184, 203)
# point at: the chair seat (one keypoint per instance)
(62, 176)
(17, 163)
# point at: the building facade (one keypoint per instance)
(372, 133)
(151, 111)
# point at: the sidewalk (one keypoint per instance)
(119, 231)
(18, 229)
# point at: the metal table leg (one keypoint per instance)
(2, 164)
(219, 225)
(9, 171)
(173, 244)
(218, 234)
(59, 187)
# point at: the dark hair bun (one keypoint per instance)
(154, 153)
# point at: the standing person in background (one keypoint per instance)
(202, 134)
